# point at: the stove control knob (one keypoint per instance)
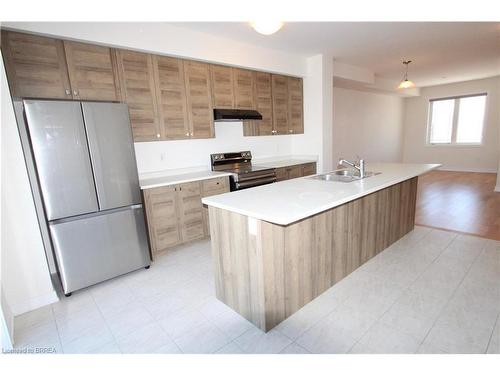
(221, 156)
(216, 157)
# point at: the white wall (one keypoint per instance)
(317, 136)
(25, 275)
(483, 158)
(367, 124)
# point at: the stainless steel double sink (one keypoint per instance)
(343, 175)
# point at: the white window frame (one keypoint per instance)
(456, 109)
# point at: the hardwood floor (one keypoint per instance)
(459, 201)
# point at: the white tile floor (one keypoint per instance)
(431, 292)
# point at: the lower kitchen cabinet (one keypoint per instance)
(190, 211)
(175, 213)
(210, 187)
(162, 217)
(295, 171)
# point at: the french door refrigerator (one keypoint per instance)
(85, 166)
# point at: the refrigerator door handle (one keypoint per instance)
(95, 214)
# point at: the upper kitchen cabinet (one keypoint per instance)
(280, 104)
(36, 66)
(295, 106)
(221, 79)
(171, 96)
(244, 88)
(264, 105)
(199, 100)
(139, 92)
(92, 72)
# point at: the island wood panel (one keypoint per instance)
(36, 66)
(199, 99)
(92, 72)
(171, 97)
(222, 85)
(295, 106)
(266, 272)
(244, 81)
(139, 92)
(280, 103)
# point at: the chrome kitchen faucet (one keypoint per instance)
(360, 166)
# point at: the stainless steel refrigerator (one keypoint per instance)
(84, 162)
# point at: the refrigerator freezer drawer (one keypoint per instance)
(98, 247)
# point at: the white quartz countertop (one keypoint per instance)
(292, 200)
(283, 162)
(151, 180)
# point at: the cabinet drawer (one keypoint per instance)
(308, 169)
(214, 186)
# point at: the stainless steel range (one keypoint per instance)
(245, 175)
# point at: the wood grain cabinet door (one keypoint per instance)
(190, 211)
(294, 171)
(209, 187)
(199, 99)
(221, 80)
(295, 106)
(264, 103)
(280, 103)
(281, 174)
(36, 66)
(308, 169)
(92, 72)
(171, 91)
(139, 92)
(244, 81)
(161, 213)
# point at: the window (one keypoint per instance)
(457, 120)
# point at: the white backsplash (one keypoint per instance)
(164, 155)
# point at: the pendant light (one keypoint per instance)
(406, 83)
(266, 27)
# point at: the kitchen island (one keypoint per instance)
(277, 247)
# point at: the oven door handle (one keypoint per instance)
(255, 182)
(243, 177)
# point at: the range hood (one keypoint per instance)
(236, 114)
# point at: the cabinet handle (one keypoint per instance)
(158, 135)
(290, 131)
(187, 134)
(192, 133)
(68, 91)
(75, 92)
(180, 188)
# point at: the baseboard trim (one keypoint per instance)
(34, 303)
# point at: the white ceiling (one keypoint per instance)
(442, 52)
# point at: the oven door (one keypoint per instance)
(253, 179)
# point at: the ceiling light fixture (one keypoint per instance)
(266, 27)
(406, 83)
